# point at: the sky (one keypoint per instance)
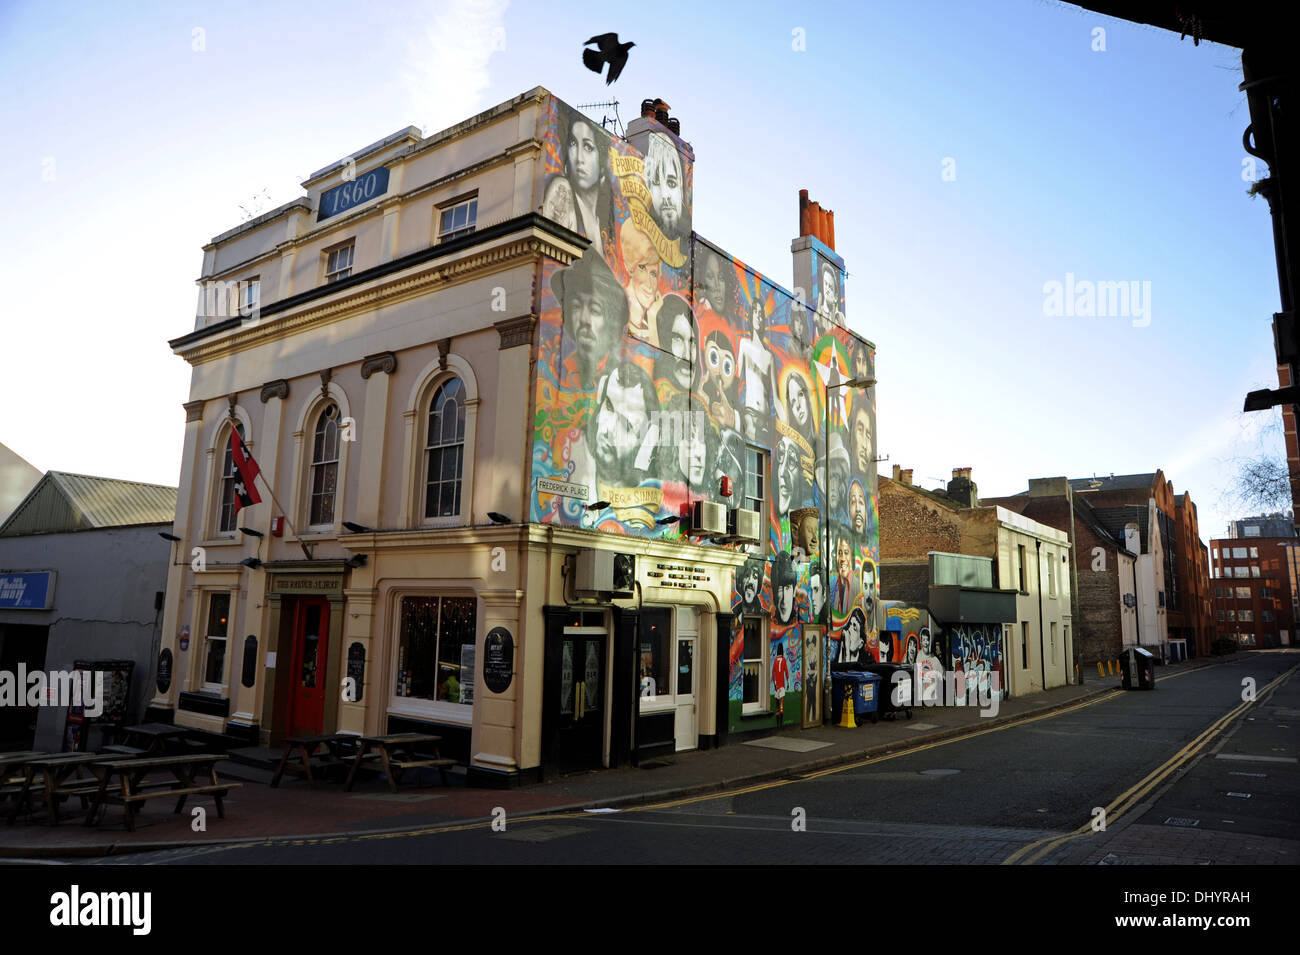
(973, 153)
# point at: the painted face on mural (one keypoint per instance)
(869, 585)
(645, 280)
(797, 405)
(853, 636)
(839, 484)
(816, 591)
(583, 153)
(663, 177)
(757, 318)
(558, 203)
(926, 641)
(910, 658)
(830, 299)
(807, 534)
(788, 475)
(858, 508)
(693, 457)
(844, 558)
(862, 450)
(751, 580)
(713, 283)
(594, 309)
(720, 363)
(681, 343)
(622, 420)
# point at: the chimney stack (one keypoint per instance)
(897, 470)
(905, 476)
(816, 221)
(962, 490)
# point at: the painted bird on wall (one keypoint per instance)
(610, 51)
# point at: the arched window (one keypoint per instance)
(226, 520)
(445, 450)
(324, 466)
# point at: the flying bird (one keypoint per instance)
(609, 51)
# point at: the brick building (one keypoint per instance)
(1029, 559)
(1255, 589)
(1104, 569)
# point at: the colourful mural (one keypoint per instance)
(976, 654)
(666, 366)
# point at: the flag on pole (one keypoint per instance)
(246, 471)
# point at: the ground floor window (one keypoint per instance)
(754, 672)
(435, 648)
(655, 663)
(214, 650)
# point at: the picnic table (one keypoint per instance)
(11, 763)
(397, 753)
(132, 790)
(55, 770)
(339, 749)
(147, 739)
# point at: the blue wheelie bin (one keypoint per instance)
(865, 689)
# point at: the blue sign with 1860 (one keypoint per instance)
(31, 591)
(344, 197)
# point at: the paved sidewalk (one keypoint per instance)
(257, 812)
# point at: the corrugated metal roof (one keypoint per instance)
(73, 502)
(1115, 482)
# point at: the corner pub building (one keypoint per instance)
(550, 472)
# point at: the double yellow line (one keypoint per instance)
(1125, 801)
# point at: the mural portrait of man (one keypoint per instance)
(594, 312)
(679, 361)
(792, 489)
(858, 512)
(863, 452)
(784, 582)
(816, 589)
(749, 586)
(837, 496)
(845, 589)
(626, 404)
(853, 639)
(667, 185)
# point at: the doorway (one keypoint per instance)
(310, 635)
(578, 698)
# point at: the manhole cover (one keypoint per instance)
(1182, 821)
(940, 772)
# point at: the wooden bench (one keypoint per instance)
(133, 792)
(340, 750)
(60, 779)
(396, 752)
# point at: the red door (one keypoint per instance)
(311, 626)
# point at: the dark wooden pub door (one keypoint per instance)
(577, 698)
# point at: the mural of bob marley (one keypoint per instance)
(665, 365)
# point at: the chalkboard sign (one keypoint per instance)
(498, 659)
(165, 670)
(249, 675)
(357, 670)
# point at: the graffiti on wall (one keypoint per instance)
(976, 651)
(666, 367)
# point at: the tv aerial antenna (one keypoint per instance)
(609, 123)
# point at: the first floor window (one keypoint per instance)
(229, 475)
(214, 650)
(436, 647)
(338, 263)
(754, 669)
(458, 220)
(445, 450)
(324, 466)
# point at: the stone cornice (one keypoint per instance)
(193, 410)
(416, 279)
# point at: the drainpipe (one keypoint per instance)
(1075, 614)
(1042, 655)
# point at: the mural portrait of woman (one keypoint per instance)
(579, 198)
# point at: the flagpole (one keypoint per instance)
(247, 456)
(276, 502)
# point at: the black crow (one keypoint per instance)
(610, 51)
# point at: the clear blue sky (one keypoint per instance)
(126, 148)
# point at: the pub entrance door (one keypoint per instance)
(577, 697)
(311, 623)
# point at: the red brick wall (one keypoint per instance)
(911, 526)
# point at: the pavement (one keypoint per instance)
(256, 813)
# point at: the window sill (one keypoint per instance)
(439, 711)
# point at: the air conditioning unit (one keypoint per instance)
(743, 525)
(708, 519)
(605, 572)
